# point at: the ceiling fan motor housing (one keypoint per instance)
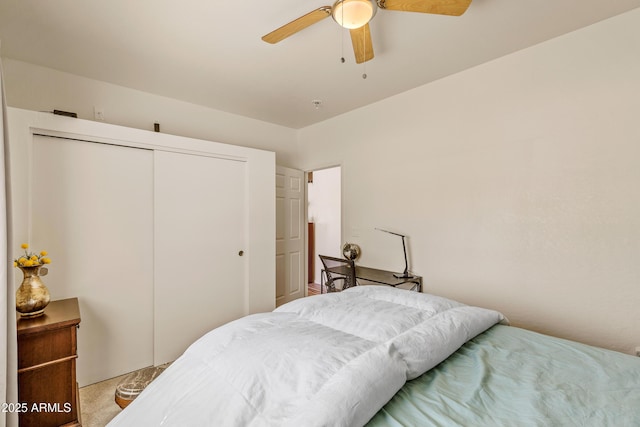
(353, 14)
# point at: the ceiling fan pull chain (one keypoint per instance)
(342, 60)
(364, 49)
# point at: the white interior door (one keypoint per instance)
(290, 223)
(91, 208)
(200, 228)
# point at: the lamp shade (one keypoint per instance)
(353, 13)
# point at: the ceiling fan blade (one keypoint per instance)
(297, 25)
(362, 45)
(439, 7)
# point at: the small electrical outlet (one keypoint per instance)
(638, 351)
(98, 114)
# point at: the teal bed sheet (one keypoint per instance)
(509, 376)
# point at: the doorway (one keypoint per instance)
(324, 212)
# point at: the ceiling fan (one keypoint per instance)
(356, 14)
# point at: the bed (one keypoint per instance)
(509, 376)
(387, 357)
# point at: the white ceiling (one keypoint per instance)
(210, 52)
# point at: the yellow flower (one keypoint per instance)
(31, 259)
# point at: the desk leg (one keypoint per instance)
(417, 286)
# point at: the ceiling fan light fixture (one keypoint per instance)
(352, 14)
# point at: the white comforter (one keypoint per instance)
(330, 360)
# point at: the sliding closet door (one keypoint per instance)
(200, 229)
(92, 209)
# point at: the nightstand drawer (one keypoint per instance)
(39, 348)
(49, 406)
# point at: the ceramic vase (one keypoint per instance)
(32, 296)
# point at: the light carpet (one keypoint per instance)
(97, 404)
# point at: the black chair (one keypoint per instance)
(338, 271)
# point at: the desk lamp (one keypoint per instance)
(405, 274)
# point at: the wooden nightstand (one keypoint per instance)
(47, 353)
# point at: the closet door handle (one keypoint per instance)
(241, 253)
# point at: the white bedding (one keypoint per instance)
(329, 360)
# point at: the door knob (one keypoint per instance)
(240, 253)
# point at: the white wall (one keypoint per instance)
(325, 210)
(517, 182)
(36, 88)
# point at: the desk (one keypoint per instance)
(380, 277)
(385, 277)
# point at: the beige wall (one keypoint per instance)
(36, 88)
(517, 182)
